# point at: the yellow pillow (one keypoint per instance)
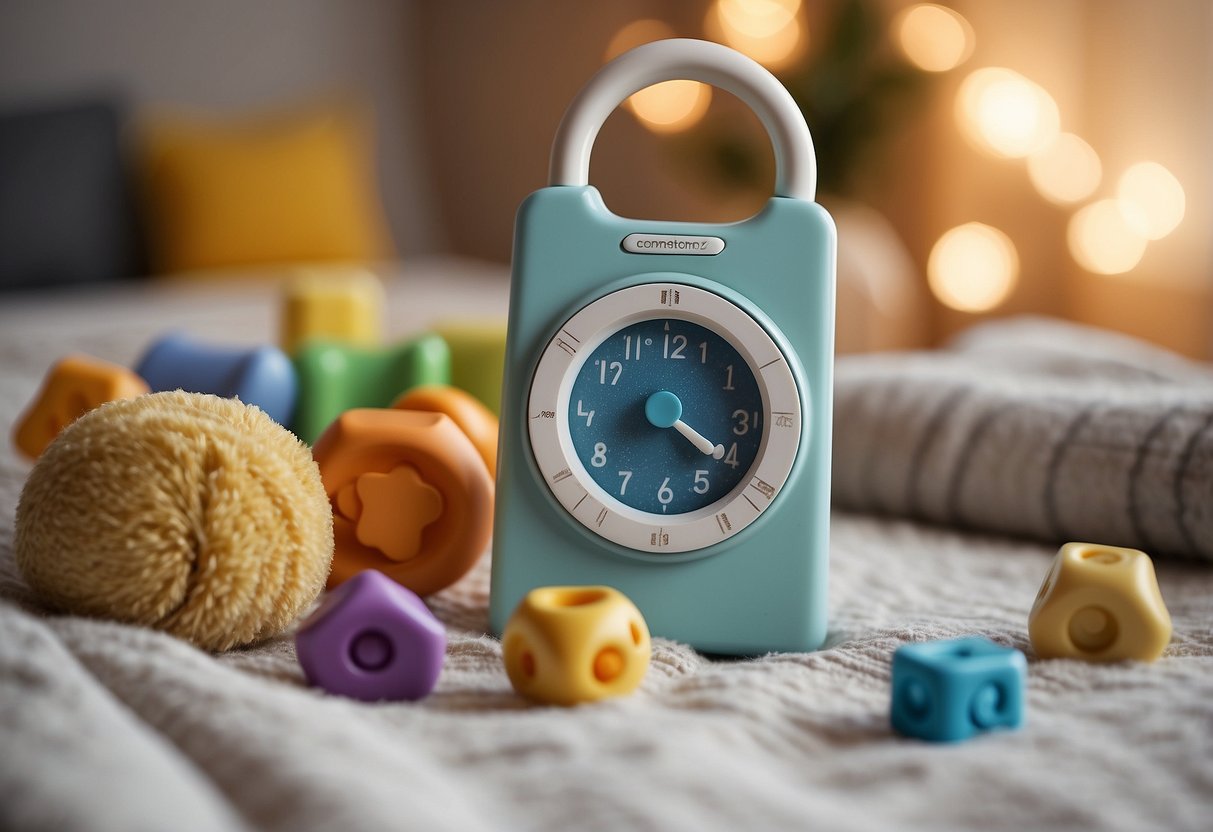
(293, 188)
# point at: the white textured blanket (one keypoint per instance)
(110, 727)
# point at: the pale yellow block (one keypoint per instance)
(336, 304)
(477, 357)
(1101, 604)
(571, 644)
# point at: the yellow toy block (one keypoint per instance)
(1101, 604)
(565, 645)
(477, 357)
(334, 304)
(73, 387)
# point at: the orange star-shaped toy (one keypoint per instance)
(395, 509)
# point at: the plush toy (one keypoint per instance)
(196, 515)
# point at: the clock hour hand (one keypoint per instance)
(663, 409)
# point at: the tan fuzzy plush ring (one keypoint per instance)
(196, 515)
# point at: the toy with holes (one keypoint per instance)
(372, 639)
(411, 488)
(565, 645)
(945, 691)
(1100, 604)
(667, 397)
(73, 387)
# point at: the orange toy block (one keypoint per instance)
(73, 387)
(411, 497)
(465, 410)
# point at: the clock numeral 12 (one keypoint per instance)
(680, 344)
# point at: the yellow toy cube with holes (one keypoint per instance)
(565, 645)
(336, 304)
(1101, 604)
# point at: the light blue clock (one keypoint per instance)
(666, 405)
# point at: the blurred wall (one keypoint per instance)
(234, 56)
(1133, 77)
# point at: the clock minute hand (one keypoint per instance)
(663, 409)
(699, 440)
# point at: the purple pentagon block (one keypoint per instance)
(372, 639)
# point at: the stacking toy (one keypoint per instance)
(565, 645)
(472, 417)
(196, 515)
(477, 357)
(372, 639)
(1101, 604)
(336, 377)
(72, 387)
(944, 691)
(411, 497)
(340, 304)
(261, 376)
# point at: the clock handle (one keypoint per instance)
(697, 60)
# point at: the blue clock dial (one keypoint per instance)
(666, 416)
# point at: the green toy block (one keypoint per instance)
(477, 356)
(335, 376)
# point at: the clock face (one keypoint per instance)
(664, 418)
(638, 396)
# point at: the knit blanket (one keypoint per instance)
(105, 726)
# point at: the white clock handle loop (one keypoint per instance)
(697, 60)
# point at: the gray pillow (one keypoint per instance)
(66, 208)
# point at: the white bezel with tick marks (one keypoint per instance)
(589, 503)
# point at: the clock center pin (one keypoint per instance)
(663, 409)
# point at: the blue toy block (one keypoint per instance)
(261, 376)
(946, 691)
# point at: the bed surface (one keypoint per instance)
(110, 727)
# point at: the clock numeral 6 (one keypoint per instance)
(599, 458)
(665, 494)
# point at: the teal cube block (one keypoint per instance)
(946, 691)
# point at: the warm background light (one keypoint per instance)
(1156, 195)
(663, 108)
(1006, 114)
(973, 267)
(769, 31)
(1103, 239)
(934, 38)
(1066, 170)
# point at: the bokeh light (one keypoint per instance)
(667, 107)
(1004, 113)
(973, 267)
(1156, 197)
(769, 31)
(933, 37)
(1103, 238)
(1066, 170)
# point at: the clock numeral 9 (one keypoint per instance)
(589, 417)
(599, 458)
(701, 478)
